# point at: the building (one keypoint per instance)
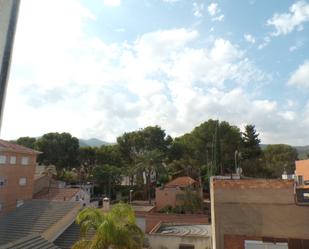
(257, 214)
(302, 171)
(17, 167)
(167, 194)
(180, 236)
(37, 224)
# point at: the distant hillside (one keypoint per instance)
(93, 142)
(302, 151)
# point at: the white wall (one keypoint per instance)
(158, 241)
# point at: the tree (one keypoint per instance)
(252, 163)
(109, 154)
(149, 162)
(59, 149)
(116, 229)
(28, 142)
(137, 144)
(87, 159)
(107, 176)
(251, 143)
(280, 157)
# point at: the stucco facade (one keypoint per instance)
(257, 209)
(17, 167)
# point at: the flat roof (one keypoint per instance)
(177, 229)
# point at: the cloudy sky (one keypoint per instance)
(102, 67)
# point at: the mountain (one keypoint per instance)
(302, 151)
(93, 142)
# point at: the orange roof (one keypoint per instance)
(9, 146)
(56, 194)
(183, 181)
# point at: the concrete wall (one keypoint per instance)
(159, 241)
(12, 191)
(256, 208)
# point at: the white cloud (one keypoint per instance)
(198, 9)
(91, 88)
(265, 42)
(249, 38)
(112, 3)
(294, 19)
(215, 12)
(301, 76)
(213, 9)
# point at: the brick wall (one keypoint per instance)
(12, 191)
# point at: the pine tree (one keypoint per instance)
(251, 143)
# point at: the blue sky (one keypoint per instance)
(102, 67)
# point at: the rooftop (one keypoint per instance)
(183, 230)
(253, 184)
(34, 217)
(56, 194)
(9, 146)
(30, 242)
(183, 181)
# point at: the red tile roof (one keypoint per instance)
(9, 146)
(56, 194)
(183, 181)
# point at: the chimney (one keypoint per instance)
(105, 204)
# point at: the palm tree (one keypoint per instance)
(149, 162)
(116, 229)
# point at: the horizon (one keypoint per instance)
(174, 63)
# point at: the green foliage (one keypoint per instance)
(150, 162)
(109, 154)
(116, 229)
(280, 157)
(212, 143)
(59, 149)
(87, 156)
(107, 176)
(28, 142)
(190, 201)
(251, 143)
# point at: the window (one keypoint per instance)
(19, 203)
(252, 244)
(2, 182)
(25, 160)
(300, 180)
(186, 246)
(2, 159)
(22, 181)
(13, 160)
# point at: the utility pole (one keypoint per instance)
(8, 21)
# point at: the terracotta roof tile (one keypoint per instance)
(183, 181)
(9, 146)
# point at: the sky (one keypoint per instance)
(104, 67)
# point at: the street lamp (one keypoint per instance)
(131, 191)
